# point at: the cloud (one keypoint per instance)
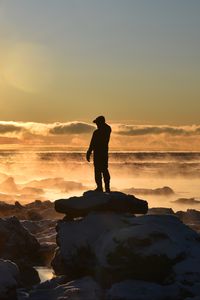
(72, 128)
(77, 134)
(9, 128)
(81, 128)
(137, 130)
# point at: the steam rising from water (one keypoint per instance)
(30, 175)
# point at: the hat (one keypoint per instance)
(100, 119)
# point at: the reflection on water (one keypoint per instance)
(45, 273)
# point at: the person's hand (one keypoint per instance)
(88, 156)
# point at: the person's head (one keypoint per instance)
(99, 121)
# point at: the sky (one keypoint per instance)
(133, 60)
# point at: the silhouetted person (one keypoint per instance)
(99, 147)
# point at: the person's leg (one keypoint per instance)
(106, 177)
(98, 178)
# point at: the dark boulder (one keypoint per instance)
(94, 201)
(20, 246)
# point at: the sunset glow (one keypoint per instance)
(136, 62)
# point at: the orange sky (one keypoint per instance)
(136, 62)
(73, 60)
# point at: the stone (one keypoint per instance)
(160, 211)
(96, 201)
(82, 289)
(20, 246)
(9, 280)
(113, 247)
(142, 290)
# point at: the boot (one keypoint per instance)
(99, 189)
(107, 186)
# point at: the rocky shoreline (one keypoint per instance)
(102, 247)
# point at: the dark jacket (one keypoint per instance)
(99, 145)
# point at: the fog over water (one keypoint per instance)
(29, 175)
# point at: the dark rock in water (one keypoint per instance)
(160, 211)
(34, 215)
(18, 205)
(191, 217)
(36, 210)
(6, 206)
(187, 201)
(164, 191)
(95, 201)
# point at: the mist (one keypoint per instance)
(26, 176)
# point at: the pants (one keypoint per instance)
(98, 172)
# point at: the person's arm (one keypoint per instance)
(109, 130)
(91, 147)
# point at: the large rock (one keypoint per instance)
(35, 211)
(191, 217)
(95, 201)
(113, 247)
(20, 246)
(81, 289)
(9, 280)
(147, 249)
(16, 241)
(141, 290)
(76, 239)
(160, 211)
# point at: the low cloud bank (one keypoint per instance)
(45, 129)
(77, 127)
(163, 129)
(124, 136)
(9, 128)
(71, 128)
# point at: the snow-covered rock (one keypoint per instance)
(142, 290)
(114, 247)
(97, 201)
(76, 239)
(81, 289)
(9, 279)
(146, 249)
